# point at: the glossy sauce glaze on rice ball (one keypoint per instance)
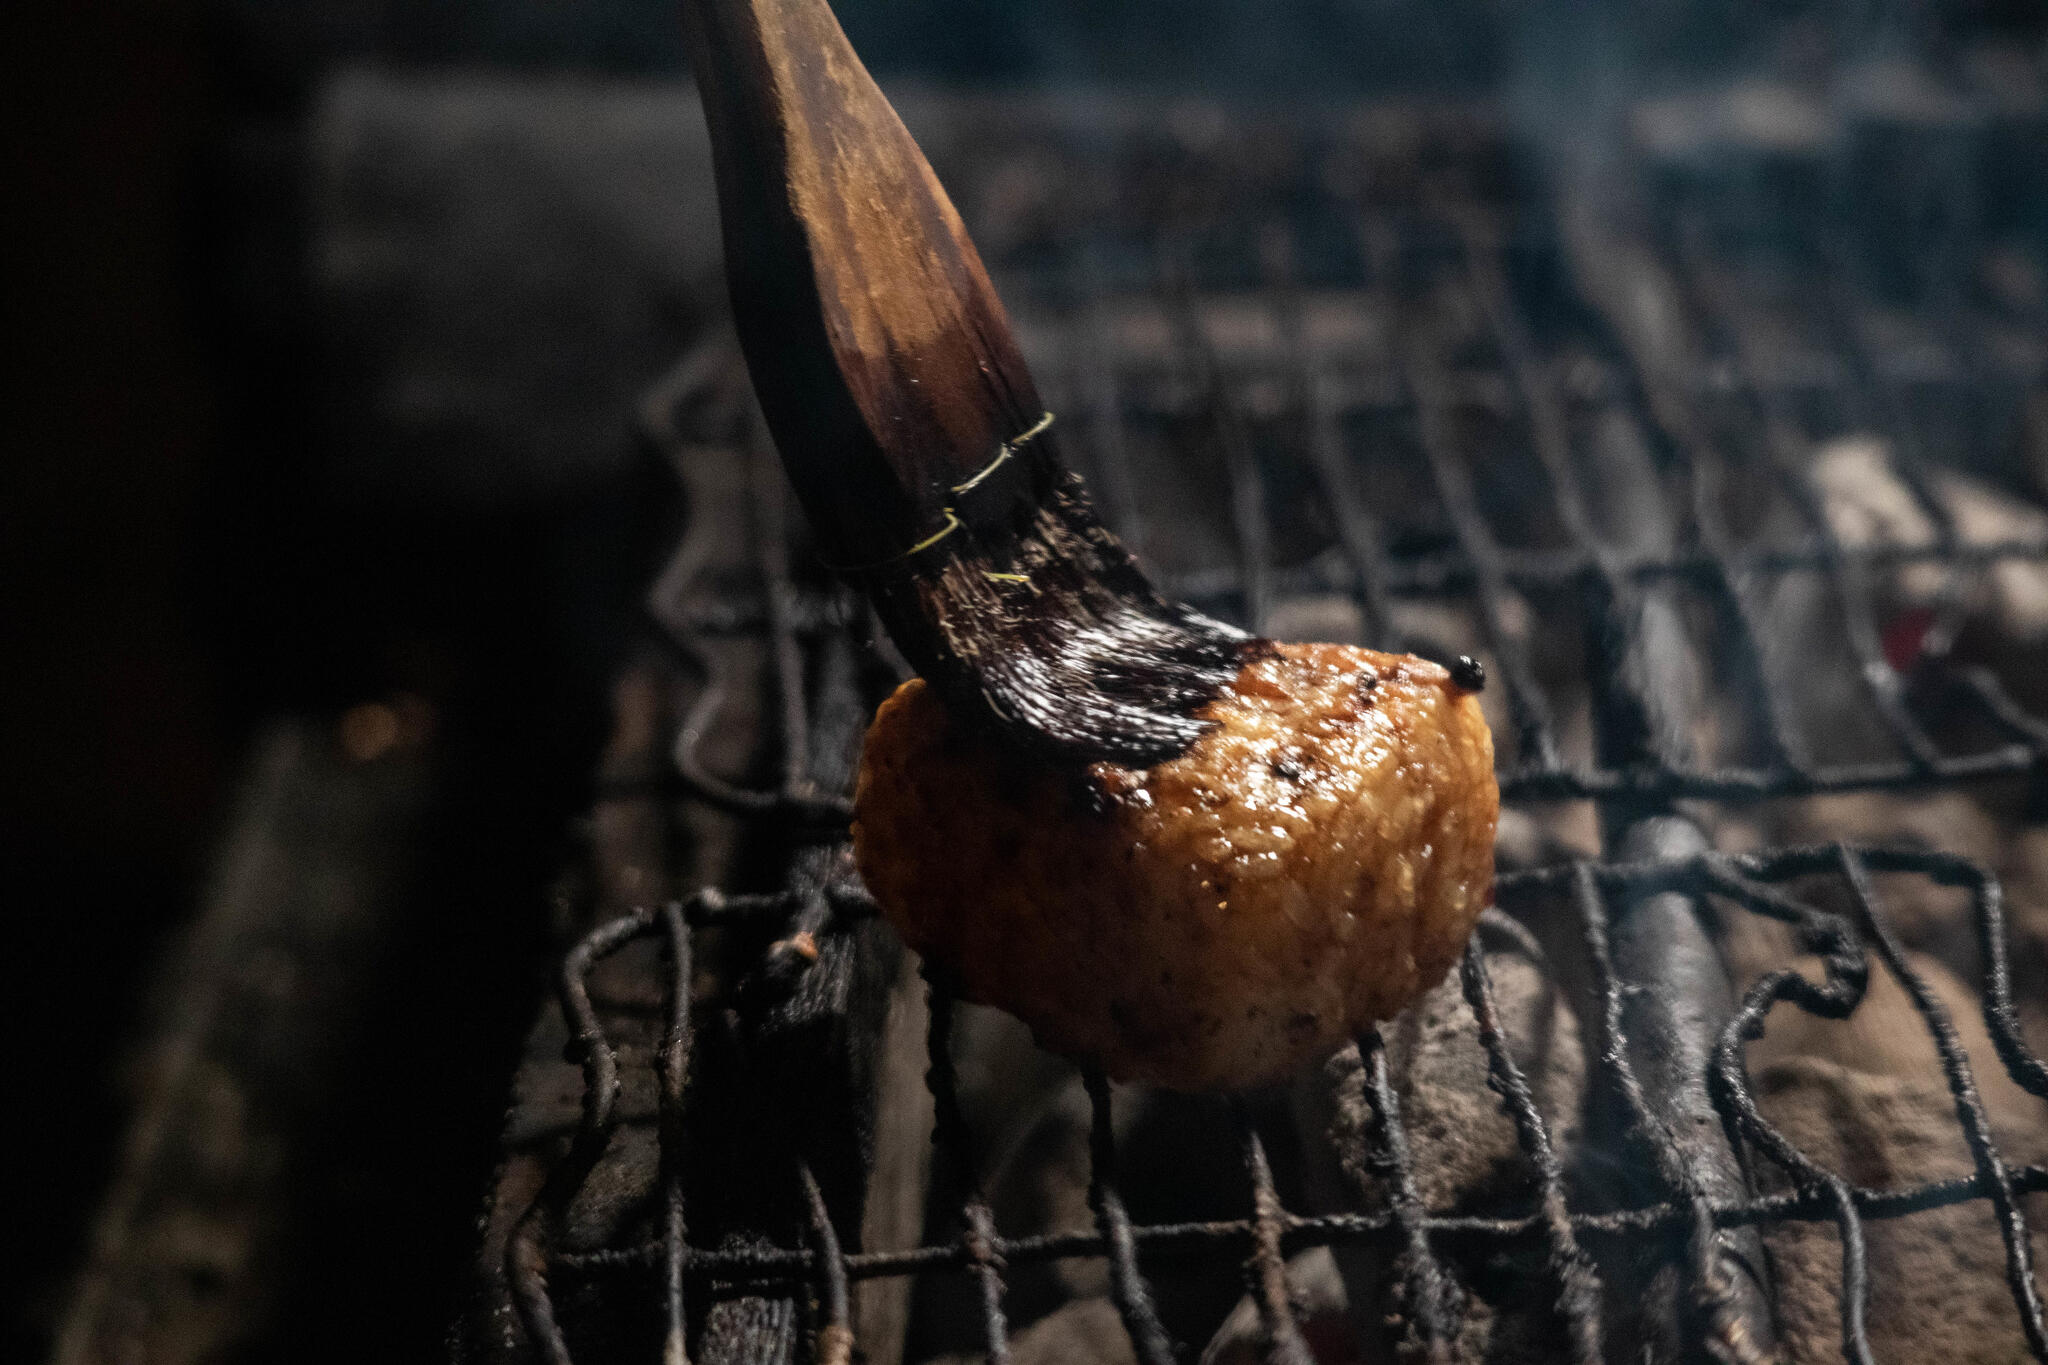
(1313, 863)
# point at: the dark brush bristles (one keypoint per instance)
(1046, 627)
(903, 410)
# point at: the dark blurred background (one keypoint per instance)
(191, 549)
(228, 500)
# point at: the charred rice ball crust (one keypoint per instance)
(1313, 863)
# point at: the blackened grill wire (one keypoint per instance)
(955, 1163)
(1751, 881)
(1266, 1272)
(1634, 723)
(1488, 570)
(1955, 1065)
(1785, 452)
(1433, 408)
(1428, 1299)
(1127, 1287)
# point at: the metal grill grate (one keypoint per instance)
(1397, 330)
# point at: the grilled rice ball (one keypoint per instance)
(1314, 862)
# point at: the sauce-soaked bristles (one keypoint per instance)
(1047, 629)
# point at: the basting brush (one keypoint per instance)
(907, 420)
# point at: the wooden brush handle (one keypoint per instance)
(881, 356)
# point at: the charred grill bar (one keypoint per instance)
(1376, 378)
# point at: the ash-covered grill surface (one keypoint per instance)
(1724, 500)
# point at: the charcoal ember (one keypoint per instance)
(1940, 1275)
(2015, 592)
(1468, 1155)
(1937, 921)
(1928, 918)
(1467, 1158)
(1867, 504)
(1996, 616)
(1865, 1098)
(1885, 1040)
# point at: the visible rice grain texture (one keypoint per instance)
(1314, 862)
